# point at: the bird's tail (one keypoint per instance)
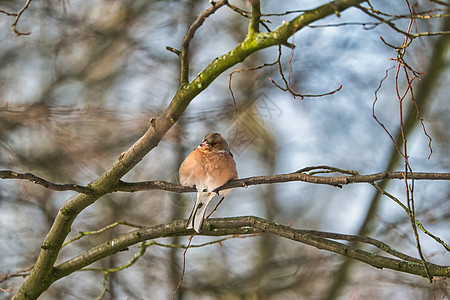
(197, 217)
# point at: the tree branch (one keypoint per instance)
(337, 181)
(252, 225)
(290, 177)
(123, 186)
(8, 174)
(255, 18)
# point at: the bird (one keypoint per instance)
(207, 167)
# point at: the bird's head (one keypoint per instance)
(214, 142)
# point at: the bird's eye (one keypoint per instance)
(213, 143)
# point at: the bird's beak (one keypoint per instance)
(204, 145)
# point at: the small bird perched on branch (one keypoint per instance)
(208, 167)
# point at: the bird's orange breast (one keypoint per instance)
(207, 170)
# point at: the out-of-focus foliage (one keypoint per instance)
(82, 87)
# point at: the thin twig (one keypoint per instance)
(391, 24)
(409, 190)
(184, 56)
(183, 269)
(406, 209)
(218, 241)
(288, 83)
(20, 273)
(413, 15)
(186, 249)
(128, 264)
(84, 233)
(373, 110)
(105, 286)
(366, 240)
(246, 70)
(177, 52)
(8, 13)
(16, 20)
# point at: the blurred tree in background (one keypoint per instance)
(81, 82)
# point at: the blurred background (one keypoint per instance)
(82, 87)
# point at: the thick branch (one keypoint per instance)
(252, 225)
